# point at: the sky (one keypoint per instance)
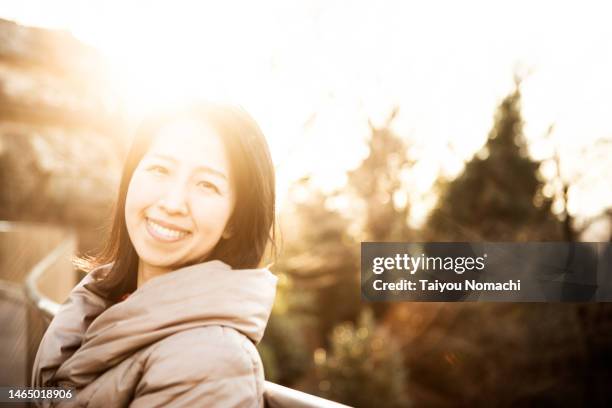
(313, 72)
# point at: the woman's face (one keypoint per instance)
(180, 197)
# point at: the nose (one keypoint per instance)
(175, 200)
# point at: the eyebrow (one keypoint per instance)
(204, 169)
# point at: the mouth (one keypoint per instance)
(165, 233)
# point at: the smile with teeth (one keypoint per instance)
(164, 233)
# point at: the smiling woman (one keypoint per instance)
(181, 270)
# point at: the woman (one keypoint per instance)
(171, 310)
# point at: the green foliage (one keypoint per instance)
(269, 361)
(321, 253)
(364, 367)
(284, 352)
(469, 354)
(499, 194)
(320, 259)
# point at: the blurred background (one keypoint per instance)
(387, 121)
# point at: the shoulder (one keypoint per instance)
(209, 351)
(206, 366)
(213, 365)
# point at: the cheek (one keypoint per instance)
(211, 215)
(139, 196)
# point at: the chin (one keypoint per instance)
(157, 260)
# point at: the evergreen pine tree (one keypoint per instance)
(498, 196)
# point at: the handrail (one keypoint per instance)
(275, 395)
(45, 305)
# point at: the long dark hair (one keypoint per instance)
(252, 221)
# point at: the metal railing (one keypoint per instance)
(47, 307)
(43, 308)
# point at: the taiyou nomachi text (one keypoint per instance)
(437, 286)
(412, 264)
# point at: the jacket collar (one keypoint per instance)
(90, 335)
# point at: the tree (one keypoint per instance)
(321, 254)
(517, 354)
(320, 258)
(499, 194)
(377, 182)
(565, 184)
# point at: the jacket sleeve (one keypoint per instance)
(209, 366)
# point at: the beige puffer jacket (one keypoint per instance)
(183, 339)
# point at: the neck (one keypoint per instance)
(146, 272)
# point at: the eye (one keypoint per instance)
(157, 169)
(208, 186)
